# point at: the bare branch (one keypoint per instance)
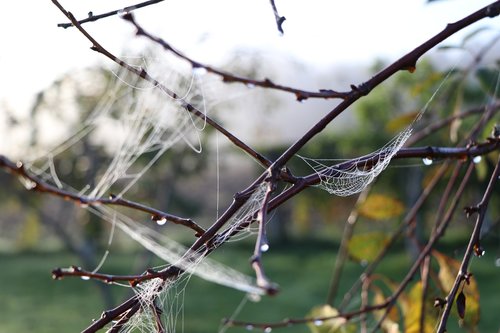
(39, 185)
(480, 209)
(229, 77)
(407, 62)
(145, 75)
(262, 244)
(279, 19)
(93, 18)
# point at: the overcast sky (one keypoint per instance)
(318, 32)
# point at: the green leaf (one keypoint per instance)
(366, 247)
(381, 207)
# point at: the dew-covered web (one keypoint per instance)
(353, 176)
(136, 122)
(167, 295)
(240, 225)
(348, 177)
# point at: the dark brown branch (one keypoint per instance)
(229, 77)
(428, 247)
(145, 75)
(410, 216)
(133, 280)
(38, 185)
(117, 327)
(480, 209)
(93, 18)
(110, 315)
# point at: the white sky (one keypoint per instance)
(320, 32)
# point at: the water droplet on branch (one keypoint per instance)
(427, 161)
(264, 247)
(85, 277)
(161, 221)
(318, 322)
(199, 71)
(477, 159)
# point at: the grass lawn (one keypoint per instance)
(32, 302)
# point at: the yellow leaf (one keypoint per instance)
(448, 270)
(413, 311)
(366, 247)
(390, 323)
(335, 325)
(381, 207)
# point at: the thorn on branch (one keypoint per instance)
(467, 278)
(469, 211)
(478, 251)
(300, 97)
(439, 302)
(129, 17)
(362, 89)
(495, 133)
(57, 274)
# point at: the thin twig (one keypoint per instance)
(428, 247)
(38, 185)
(261, 243)
(93, 18)
(230, 77)
(279, 19)
(480, 209)
(133, 280)
(425, 289)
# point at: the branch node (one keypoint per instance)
(57, 274)
(469, 211)
(439, 302)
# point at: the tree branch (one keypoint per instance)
(93, 18)
(229, 77)
(279, 19)
(145, 75)
(480, 209)
(407, 62)
(35, 184)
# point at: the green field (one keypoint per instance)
(32, 302)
